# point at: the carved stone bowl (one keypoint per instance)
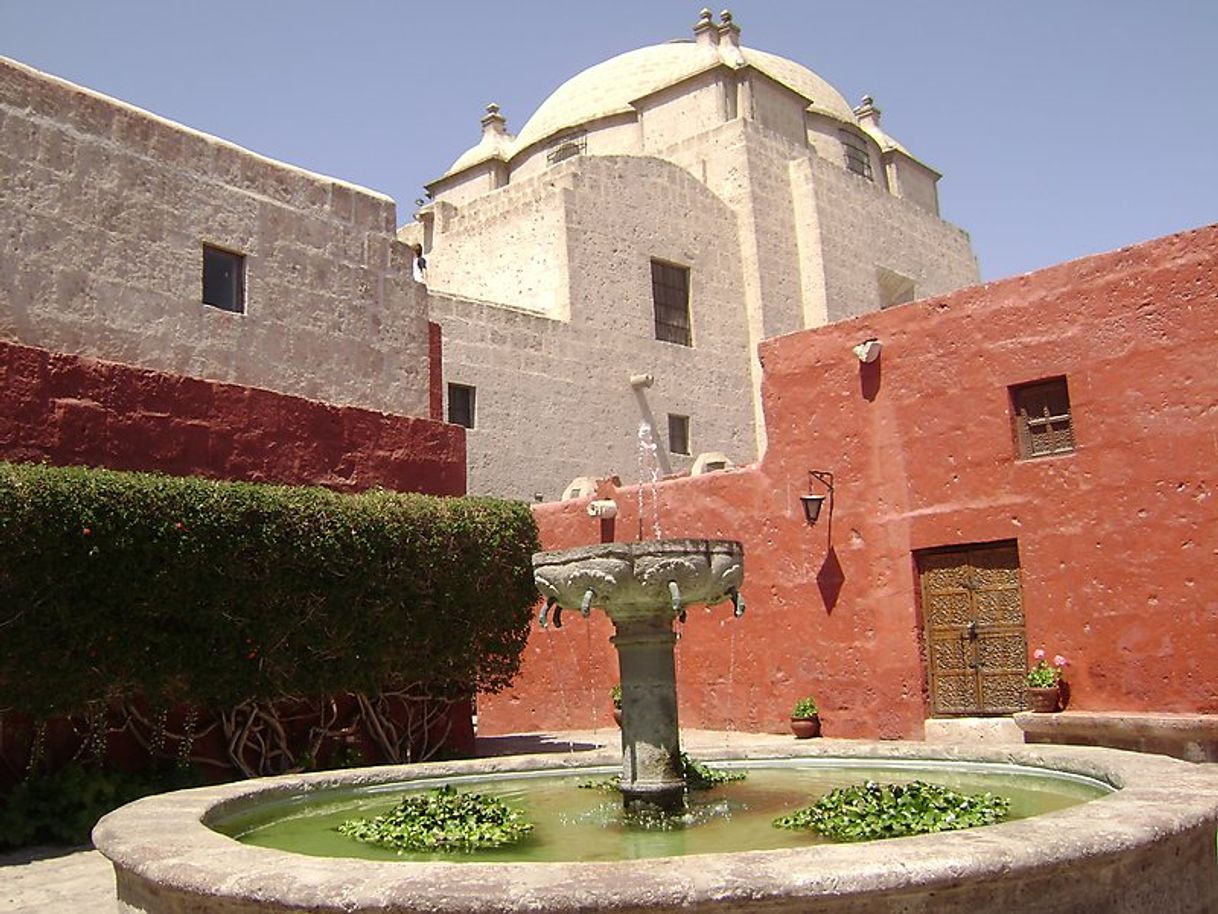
(644, 579)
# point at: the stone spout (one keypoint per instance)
(636, 579)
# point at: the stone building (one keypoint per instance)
(613, 266)
(620, 259)
(133, 239)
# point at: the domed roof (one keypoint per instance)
(610, 87)
(496, 142)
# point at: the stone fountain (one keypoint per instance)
(643, 587)
(1147, 848)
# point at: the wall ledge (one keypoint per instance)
(1192, 737)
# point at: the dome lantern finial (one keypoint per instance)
(867, 111)
(493, 122)
(729, 32)
(729, 39)
(705, 32)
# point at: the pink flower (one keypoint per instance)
(1038, 654)
(1059, 661)
(86, 532)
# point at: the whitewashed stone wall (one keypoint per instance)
(860, 228)
(554, 399)
(104, 210)
(507, 247)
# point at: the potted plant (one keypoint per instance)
(805, 718)
(1044, 684)
(615, 695)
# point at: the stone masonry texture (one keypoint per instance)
(104, 211)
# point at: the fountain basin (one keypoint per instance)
(635, 580)
(1149, 846)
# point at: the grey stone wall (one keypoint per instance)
(104, 210)
(861, 227)
(508, 247)
(554, 399)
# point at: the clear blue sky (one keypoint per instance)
(1062, 127)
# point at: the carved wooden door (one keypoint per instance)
(975, 640)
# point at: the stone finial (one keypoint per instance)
(729, 32)
(705, 31)
(867, 111)
(493, 121)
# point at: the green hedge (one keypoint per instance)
(187, 590)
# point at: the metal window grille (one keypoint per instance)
(858, 159)
(670, 294)
(461, 405)
(223, 279)
(678, 434)
(1042, 418)
(568, 147)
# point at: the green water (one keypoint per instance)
(578, 824)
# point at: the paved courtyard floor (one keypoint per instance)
(55, 880)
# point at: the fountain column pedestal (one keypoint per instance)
(643, 587)
(651, 744)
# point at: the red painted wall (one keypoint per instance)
(67, 409)
(1118, 540)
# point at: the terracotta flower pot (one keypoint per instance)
(617, 716)
(1043, 700)
(805, 727)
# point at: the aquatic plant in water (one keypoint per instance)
(443, 819)
(863, 812)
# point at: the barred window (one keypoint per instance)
(670, 295)
(461, 404)
(1041, 415)
(858, 159)
(568, 147)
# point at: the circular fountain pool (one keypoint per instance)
(1147, 846)
(574, 821)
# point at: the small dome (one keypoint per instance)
(489, 147)
(610, 88)
(496, 142)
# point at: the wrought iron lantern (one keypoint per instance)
(813, 501)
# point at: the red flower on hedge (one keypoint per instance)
(86, 531)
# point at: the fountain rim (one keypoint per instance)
(163, 840)
(630, 551)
